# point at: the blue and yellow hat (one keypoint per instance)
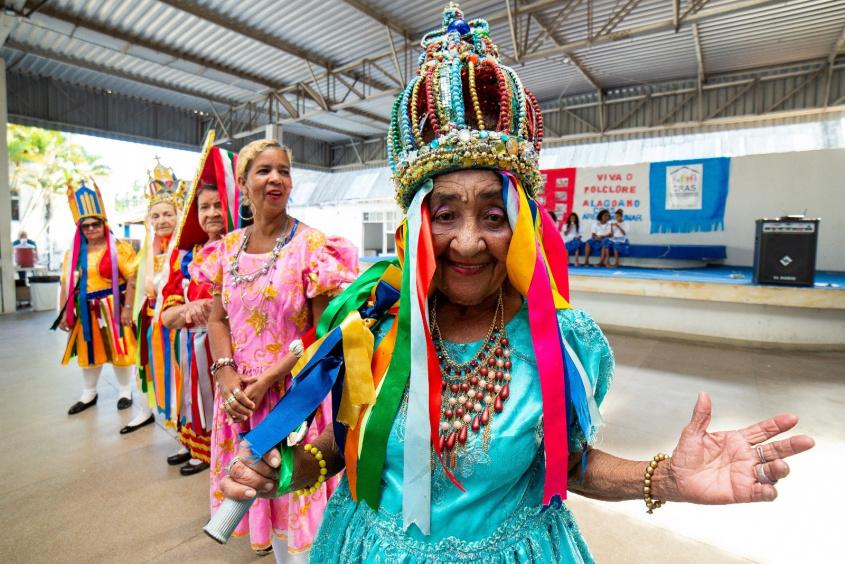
(85, 200)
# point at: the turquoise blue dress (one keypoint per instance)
(500, 518)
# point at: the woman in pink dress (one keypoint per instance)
(270, 282)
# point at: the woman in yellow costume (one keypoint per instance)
(98, 281)
(157, 351)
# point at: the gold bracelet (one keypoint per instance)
(652, 504)
(323, 471)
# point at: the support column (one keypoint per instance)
(7, 267)
(274, 131)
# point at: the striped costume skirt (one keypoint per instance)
(196, 409)
(109, 342)
(158, 367)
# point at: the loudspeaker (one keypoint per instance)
(785, 251)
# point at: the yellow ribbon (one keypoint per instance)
(358, 387)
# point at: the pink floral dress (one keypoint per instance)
(265, 316)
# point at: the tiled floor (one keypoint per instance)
(74, 490)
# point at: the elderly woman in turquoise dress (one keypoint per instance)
(466, 414)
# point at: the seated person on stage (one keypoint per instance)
(600, 238)
(619, 238)
(571, 234)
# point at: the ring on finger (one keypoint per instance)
(232, 463)
(230, 399)
(236, 391)
(760, 455)
(763, 478)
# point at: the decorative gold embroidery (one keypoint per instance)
(315, 240)
(172, 301)
(301, 318)
(158, 262)
(274, 348)
(231, 239)
(258, 320)
(227, 445)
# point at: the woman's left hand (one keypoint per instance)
(197, 312)
(256, 390)
(126, 317)
(726, 467)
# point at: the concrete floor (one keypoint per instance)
(77, 491)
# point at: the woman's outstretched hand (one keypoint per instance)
(726, 467)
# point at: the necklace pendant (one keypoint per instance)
(476, 424)
(462, 436)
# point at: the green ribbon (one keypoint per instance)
(371, 462)
(351, 298)
(285, 468)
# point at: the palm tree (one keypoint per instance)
(45, 161)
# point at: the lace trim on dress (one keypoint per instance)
(530, 535)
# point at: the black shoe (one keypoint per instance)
(191, 469)
(124, 403)
(79, 406)
(131, 428)
(263, 551)
(178, 458)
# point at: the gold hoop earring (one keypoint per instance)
(241, 215)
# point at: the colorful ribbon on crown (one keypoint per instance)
(368, 386)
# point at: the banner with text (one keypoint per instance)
(612, 188)
(688, 196)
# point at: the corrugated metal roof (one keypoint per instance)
(237, 51)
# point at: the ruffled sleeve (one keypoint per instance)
(333, 264)
(173, 292)
(207, 266)
(126, 262)
(593, 351)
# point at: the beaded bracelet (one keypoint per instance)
(220, 363)
(323, 471)
(652, 504)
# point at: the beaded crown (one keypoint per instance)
(85, 200)
(164, 187)
(464, 109)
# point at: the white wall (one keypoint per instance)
(769, 185)
(342, 219)
(765, 185)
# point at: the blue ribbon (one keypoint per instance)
(323, 374)
(84, 312)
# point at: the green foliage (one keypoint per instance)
(130, 200)
(47, 160)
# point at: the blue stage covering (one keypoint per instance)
(714, 274)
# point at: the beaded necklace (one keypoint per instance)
(258, 318)
(473, 391)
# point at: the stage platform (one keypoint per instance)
(714, 303)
